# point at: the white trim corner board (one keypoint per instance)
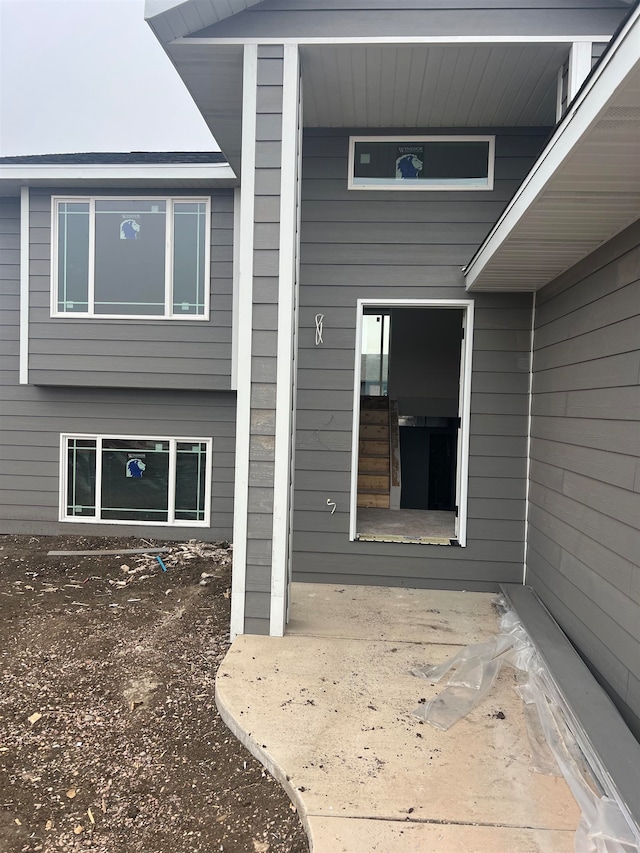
(286, 308)
(23, 361)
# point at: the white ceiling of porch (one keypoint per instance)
(436, 85)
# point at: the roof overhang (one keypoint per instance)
(353, 81)
(196, 176)
(584, 187)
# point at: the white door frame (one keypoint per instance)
(464, 404)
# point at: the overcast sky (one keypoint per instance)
(89, 75)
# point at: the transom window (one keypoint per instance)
(138, 480)
(421, 162)
(131, 257)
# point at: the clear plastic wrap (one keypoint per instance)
(604, 827)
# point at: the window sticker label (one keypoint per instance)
(129, 229)
(409, 161)
(135, 468)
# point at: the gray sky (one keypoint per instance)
(89, 75)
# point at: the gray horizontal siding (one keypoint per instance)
(171, 354)
(406, 245)
(584, 520)
(279, 19)
(32, 419)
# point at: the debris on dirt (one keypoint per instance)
(126, 752)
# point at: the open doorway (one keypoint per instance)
(411, 423)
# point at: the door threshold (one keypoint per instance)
(412, 540)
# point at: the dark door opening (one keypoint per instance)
(408, 423)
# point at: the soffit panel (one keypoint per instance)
(213, 76)
(594, 195)
(176, 20)
(470, 85)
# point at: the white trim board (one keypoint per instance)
(245, 317)
(116, 171)
(24, 286)
(284, 376)
(462, 472)
(236, 288)
(529, 423)
(302, 41)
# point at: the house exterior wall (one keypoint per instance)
(168, 354)
(386, 245)
(584, 516)
(32, 419)
(361, 18)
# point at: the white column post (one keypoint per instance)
(24, 287)
(286, 299)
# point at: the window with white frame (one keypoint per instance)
(138, 480)
(421, 162)
(130, 257)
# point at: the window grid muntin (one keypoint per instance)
(204, 493)
(201, 220)
(64, 215)
(71, 455)
(168, 313)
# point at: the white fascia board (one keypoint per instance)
(584, 112)
(32, 172)
(302, 41)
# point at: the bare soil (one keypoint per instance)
(110, 740)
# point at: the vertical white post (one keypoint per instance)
(24, 287)
(529, 423)
(245, 316)
(284, 376)
(579, 67)
(464, 413)
(236, 290)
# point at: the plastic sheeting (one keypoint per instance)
(604, 826)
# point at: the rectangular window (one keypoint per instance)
(421, 162)
(136, 480)
(131, 257)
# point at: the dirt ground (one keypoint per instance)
(110, 740)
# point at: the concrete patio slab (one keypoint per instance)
(328, 709)
(376, 836)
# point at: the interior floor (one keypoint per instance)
(406, 525)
